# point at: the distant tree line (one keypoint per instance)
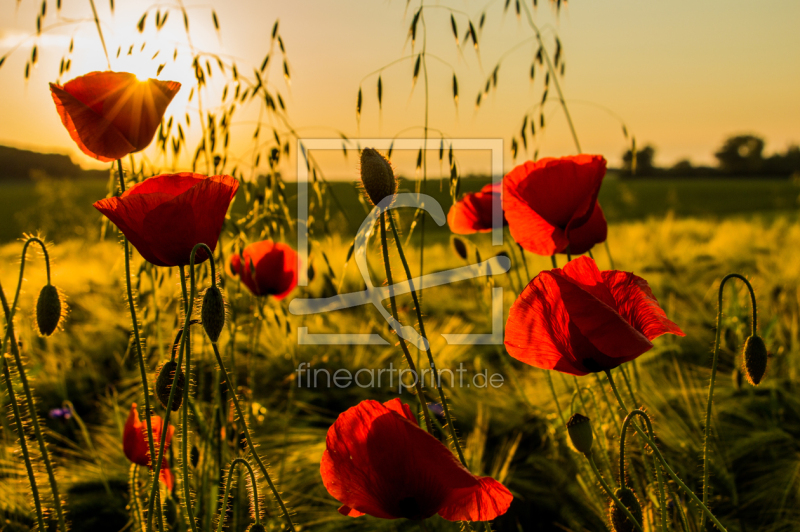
(740, 155)
(18, 165)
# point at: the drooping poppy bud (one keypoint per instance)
(460, 247)
(194, 456)
(48, 310)
(256, 527)
(213, 313)
(620, 521)
(377, 176)
(164, 385)
(754, 359)
(580, 433)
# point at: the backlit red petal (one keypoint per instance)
(594, 231)
(637, 304)
(95, 135)
(537, 331)
(484, 502)
(380, 463)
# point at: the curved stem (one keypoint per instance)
(393, 304)
(239, 461)
(23, 441)
(136, 339)
(187, 302)
(623, 433)
(611, 493)
(553, 75)
(252, 447)
(707, 432)
(62, 524)
(434, 371)
(661, 459)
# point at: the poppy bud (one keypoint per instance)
(48, 310)
(213, 313)
(754, 359)
(620, 521)
(377, 176)
(256, 527)
(460, 247)
(164, 385)
(580, 432)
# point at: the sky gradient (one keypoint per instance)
(682, 75)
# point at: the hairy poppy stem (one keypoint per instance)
(186, 340)
(662, 499)
(133, 484)
(231, 388)
(753, 329)
(137, 340)
(661, 459)
(611, 493)
(23, 440)
(10, 337)
(239, 461)
(393, 304)
(434, 371)
(252, 447)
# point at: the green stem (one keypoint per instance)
(553, 260)
(23, 441)
(661, 459)
(136, 340)
(434, 371)
(239, 461)
(187, 302)
(252, 447)
(555, 397)
(611, 493)
(62, 525)
(608, 252)
(707, 431)
(393, 304)
(135, 501)
(623, 433)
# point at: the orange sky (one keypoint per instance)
(683, 75)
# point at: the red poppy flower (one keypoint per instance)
(473, 212)
(136, 446)
(267, 268)
(580, 320)
(551, 204)
(112, 114)
(166, 215)
(379, 462)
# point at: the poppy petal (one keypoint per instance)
(474, 212)
(601, 324)
(267, 268)
(380, 463)
(637, 304)
(484, 502)
(94, 134)
(165, 475)
(594, 231)
(349, 512)
(537, 330)
(134, 444)
(544, 202)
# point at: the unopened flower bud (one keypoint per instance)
(48, 310)
(164, 385)
(580, 432)
(754, 359)
(194, 456)
(213, 313)
(460, 247)
(377, 176)
(256, 527)
(620, 521)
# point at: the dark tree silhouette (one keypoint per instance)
(741, 154)
(644, 161)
